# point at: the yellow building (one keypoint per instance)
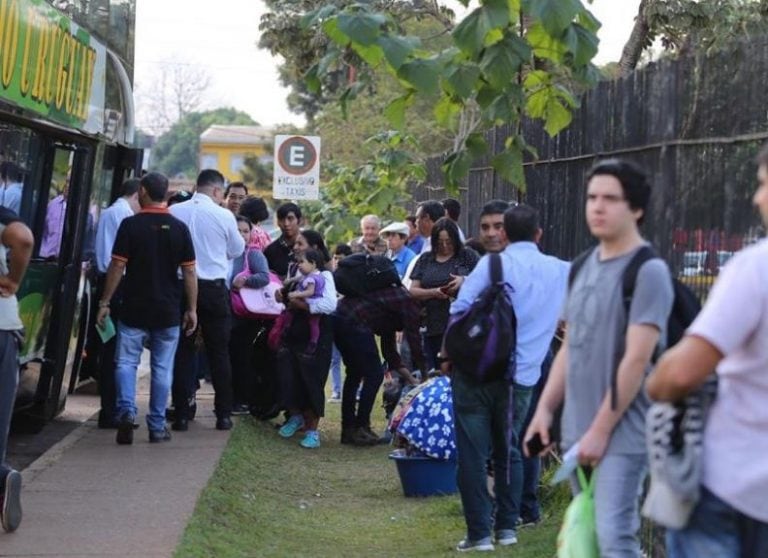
(225, 148)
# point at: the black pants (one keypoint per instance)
(215, 320)
(357, 346)
(242, 349)
(101, 355)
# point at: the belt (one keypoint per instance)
(212, 282)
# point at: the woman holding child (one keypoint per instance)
(302, 362)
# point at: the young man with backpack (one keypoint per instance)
(730, 334)
(609, 343)
(484, 403)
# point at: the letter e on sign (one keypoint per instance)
(297, 168)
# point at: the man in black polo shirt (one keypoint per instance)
(149, 248)
(279, 253)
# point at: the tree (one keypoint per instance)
(177, 150)
(282, 33)
(178, 89)
(709, 25)
(257, 175)
(508, 59)
(379, 187)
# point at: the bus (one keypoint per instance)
(67, 132)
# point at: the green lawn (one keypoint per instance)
(270, 497)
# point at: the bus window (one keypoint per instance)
(15, 162)
(56, 210)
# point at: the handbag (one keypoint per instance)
(578, 535)
(257, 304)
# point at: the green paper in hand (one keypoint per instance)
(108, 331)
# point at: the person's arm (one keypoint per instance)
(683, 368)
(235, 242)
(471, 287)
(259, 276)
(189, 321)
(115, 273)
(551, 398)
(305, 293)
(18, 238)
(641, 343)
(420, 293)
(327, 303)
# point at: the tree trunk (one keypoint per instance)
(635, 45)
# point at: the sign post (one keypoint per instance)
(297, 168)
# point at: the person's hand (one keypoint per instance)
(279, 295)
(7, 287)
(293, 295)
(407, 377)
(189, 322)
(298, 304)
(238, 282)
(101, 316)
(446, 367)
(439, 294)
(454, 284)
(592, 446)
(540, 424)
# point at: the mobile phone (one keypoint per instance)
(535, 446)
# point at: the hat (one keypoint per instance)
(399, 228)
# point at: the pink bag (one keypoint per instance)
(257, 304)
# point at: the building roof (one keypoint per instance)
(237, 135)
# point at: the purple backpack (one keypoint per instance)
(481, 341)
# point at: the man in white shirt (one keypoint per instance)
(217, 241)
(10, 186)
(729, 335)
(103, 354)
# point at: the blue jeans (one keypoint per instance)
(336, 371)
(9, 381)
(162, 346)
(716, 529)
(480, 411)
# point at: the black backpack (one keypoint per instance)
(685, 306)
(360, 274)
(481, 341)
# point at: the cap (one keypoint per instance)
(399, 228)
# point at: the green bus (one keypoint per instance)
(66, 145)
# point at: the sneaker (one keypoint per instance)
(335, 397)
(125, 429)
(157, 436)
(506, 537)
(483, 545)
(291, 426)
(311, 440)
(10, 502)
(527, 521)
(363, 437)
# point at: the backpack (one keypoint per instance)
(685, 304)
(360, 274)
(481, 340)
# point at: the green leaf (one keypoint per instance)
(395, 111)
(509, 164)
(588, 21)
(500, 111)
(446, 111)
(501, 62)
(558, 118)
(471, 33)
(372, 54)
(312, 81)
(555, 15)
(331, 28)
(486, 96)
(462, 79)
(361, 27)
(422, 73)
(397, 49)
(456, 167)
(476, 145)
(311, 18)
(582, 43)
(544, 45)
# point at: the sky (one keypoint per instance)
(220, 37)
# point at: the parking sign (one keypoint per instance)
(297, 168)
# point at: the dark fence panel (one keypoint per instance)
(694, 124)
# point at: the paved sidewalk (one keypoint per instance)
(87, 496)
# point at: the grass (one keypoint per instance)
(270, 497)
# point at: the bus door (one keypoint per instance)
(63, 229)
